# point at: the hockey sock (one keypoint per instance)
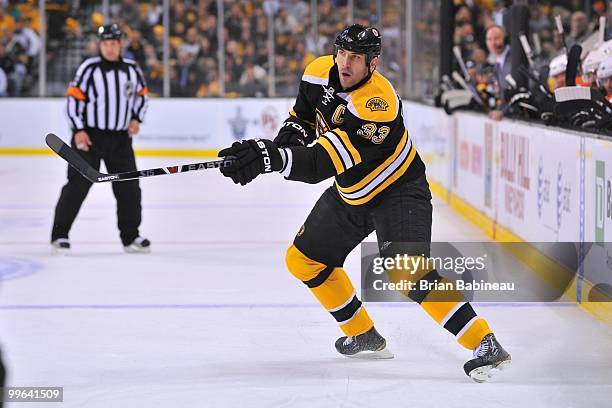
(446, 306)
(333, 289)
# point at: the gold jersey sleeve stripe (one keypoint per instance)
(332, 153)
(346, 141)
(367, 179)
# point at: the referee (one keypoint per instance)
(106, 102)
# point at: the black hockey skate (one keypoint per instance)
(367, 345)
(489, 355)
(60, 246)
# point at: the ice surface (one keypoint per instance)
(212, 318)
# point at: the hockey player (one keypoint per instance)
(604, 77)
(347, 122)
(556, 74)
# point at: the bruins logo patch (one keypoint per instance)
(377, 104)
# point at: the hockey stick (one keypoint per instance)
(75, 160)
(459, 58)
(561, 31)
(469, 87)
(573, 62)
(528, 51)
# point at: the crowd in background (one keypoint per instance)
(484, 45)
(19, 47)
(194, 40)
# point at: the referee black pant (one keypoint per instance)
(115, 148)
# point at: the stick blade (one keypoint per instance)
(73, 158)
(54, 142)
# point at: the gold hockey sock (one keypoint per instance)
(333, 289)
(446, 306)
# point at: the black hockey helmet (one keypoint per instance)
(360, 39)
(109, 32)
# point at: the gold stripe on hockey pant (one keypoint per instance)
(447, 307)
(333, 289)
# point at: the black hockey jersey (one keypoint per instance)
(361, 137)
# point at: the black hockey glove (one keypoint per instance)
(293, 133)
(253, 157)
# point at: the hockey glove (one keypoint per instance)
(293, 133)
(253, 157)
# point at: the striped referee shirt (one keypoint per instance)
(106, 95)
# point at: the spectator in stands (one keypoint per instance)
(7, 22)
(153, 70)
(135, 48)
(184, 76)
(155, 13)
(579, 29)
(191, 45)
(129, 11)
(500, 58)
(500, 12)
(250, 85)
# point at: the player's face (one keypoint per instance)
(590, 78)
(110, 49)
(351, 67)
(560, 80)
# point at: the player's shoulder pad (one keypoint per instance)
(376, 101)
(317, 72)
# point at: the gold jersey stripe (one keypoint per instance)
(398, 173)
(344, 137)
(333, 155)
(367, 179)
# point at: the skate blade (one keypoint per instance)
(60, 251)
(482, 374)
(132, 250)
(383, 354)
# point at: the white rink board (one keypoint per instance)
(539, 183)
(210, 124)
(169, 123)
(24, 122)
(598, 204)
(473, 169)
(431, 131)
